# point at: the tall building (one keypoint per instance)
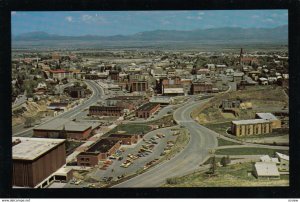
(34, 159)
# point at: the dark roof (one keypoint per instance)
(56, 104)
(102, 146)
(148, 106)
(105, 108)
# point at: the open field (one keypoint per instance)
(229, 176)
(249, 151)
(131, 128)
(222, 142)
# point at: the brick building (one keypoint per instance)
(146, 110)
(34, 159)
(63, 128)
(138, 86)
(98, 151)
(106, 111)
(201, 87)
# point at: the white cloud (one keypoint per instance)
(165, 22)
(255, 16)
(13, 13)
(194, 17)
(201, 13)
(274, 15)
(269, 20)
(93, 19)
(69, 18)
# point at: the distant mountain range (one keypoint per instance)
(277, 34)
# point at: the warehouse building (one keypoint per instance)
(98, 151)
(146, 110)
(251, 127)
(34, 159)
(106, 111)
(276, 123)
(63, 128)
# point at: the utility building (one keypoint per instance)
(251, 127)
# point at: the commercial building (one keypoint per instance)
(276, 123)
(251, 127)
(173, 89)
(60, 74)
(106, 111)
(127, 102)
(146, 110)
(63, 128)
(138, 86)
(201, 87)
(98, 151)
(34, 159)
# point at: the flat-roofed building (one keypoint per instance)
(276, 123)
(60, 74)
(34, 159)
(98, 151)
(106, 110)
(63, 128)
(251, 127)
(146, 110)
(267, 170)
(173, 89)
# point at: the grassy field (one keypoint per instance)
(222, 142)
(132, 128)
(249, 151)
(229, 176)
(219, 127)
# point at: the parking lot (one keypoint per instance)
(134, 158)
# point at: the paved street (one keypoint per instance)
(72, 113)
(184, 162)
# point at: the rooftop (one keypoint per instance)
(266, 116)
(31, 148)
(148, 106)
(60, 123)
(266, 169)
(283, 156)
(102, 146)
(250, 121)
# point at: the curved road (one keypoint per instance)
(184, 162)
(97, 93)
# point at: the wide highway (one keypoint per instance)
(72, 113)
(188, 160)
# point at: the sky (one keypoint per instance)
(107, 23)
